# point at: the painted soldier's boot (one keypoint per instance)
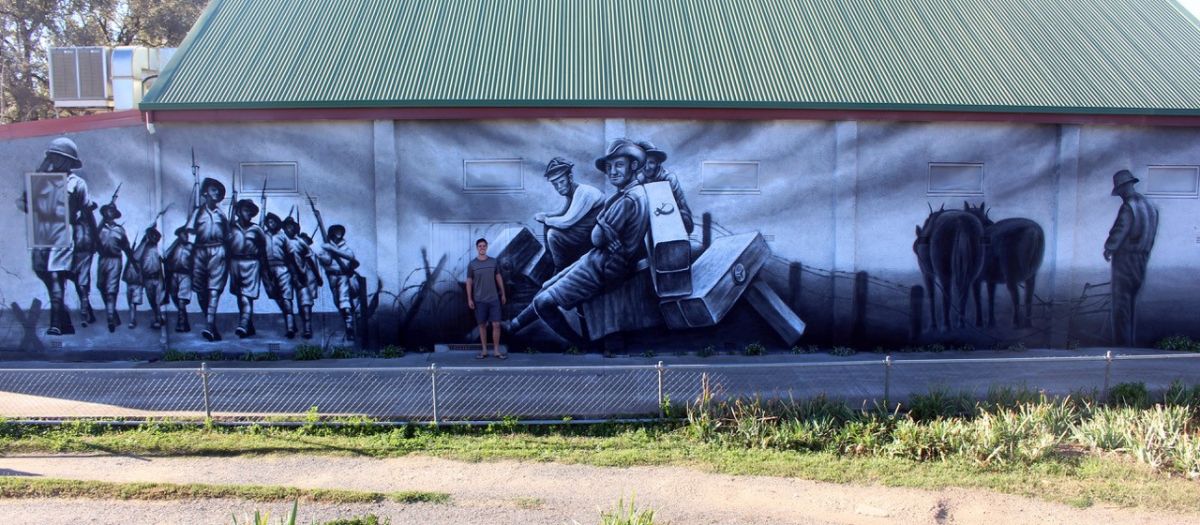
(306, 320)
(348, 319)
(181, 319)
(86, 314)
(110, 309)
(290, 321)
(245, 325)
(132, 313)
(159, 320)
(210, 331)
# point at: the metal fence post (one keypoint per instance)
(1107, 372)
(433, 384)
(204, 385)
(887, 382)
(662, 411)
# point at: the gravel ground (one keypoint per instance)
(525, 493)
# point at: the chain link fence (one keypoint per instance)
(452, 395)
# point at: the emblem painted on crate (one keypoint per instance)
(664, 209)
(739, 273)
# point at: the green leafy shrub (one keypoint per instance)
(1178, 343)
(573, 350)
(940, 403)
(622, 515)
(392, 352)
(172, 354)
(342, 352)
(707, 351)
(308, 353)
(755, 348)
(1129, 395)
(843, 351)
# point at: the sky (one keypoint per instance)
(1192, 5)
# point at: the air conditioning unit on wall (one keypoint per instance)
(79, 77)
(101, 77)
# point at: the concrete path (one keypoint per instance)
(538, 493)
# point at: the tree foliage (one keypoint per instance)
(29, 27)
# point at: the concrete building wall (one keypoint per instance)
(836, 203)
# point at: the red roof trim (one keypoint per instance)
(59, 126)
(488, 113)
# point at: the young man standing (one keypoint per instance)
(485, 294)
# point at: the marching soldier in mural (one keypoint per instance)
(655, 172)
(113, 244)
(70, 258)
(1128, 248)
(568, 232)
(247, 262)
(178, 268)
(282, 272)
(132, 276)
(617, 244)
(338, 260)
(307, 280)
(149, 280)
(209, 268)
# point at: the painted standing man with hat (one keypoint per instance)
(307, 281)
(655, 172)
(338, 260)
(247, 260)
(282, 271)
(178, 268)
(148, 264)
(209, 268)
(618, 242)
(1128, 248)
(568, 232)
(113, 244)
(70, 258)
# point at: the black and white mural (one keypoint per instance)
(770, 233)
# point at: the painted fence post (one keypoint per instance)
(662, 411)
(858, 319)
(916, 312)
(887, 382)
(204, 385)
(433, 386)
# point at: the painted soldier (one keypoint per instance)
(308, 276)
(568, 232)
(338, 260)
(1128, 248)
(178, 267)
(618, 242)
(150, 266)
(113, 244)
(247, 262)
(132, 276)
(655, 172)
(73, 248)
(282, 272)
(209, 265)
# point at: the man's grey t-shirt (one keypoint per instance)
(483, 273)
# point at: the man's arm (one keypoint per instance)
(1120, 229)
(685, 212)
(582, 202)
(470, 290)
(500, 285)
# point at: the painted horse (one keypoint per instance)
(1012, 256)
(950, 250)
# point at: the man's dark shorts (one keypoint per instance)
(487, 312)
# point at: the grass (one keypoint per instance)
(623, 515)
(527, 503)
(15, 487)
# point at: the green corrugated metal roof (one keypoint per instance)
(1092, 56)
